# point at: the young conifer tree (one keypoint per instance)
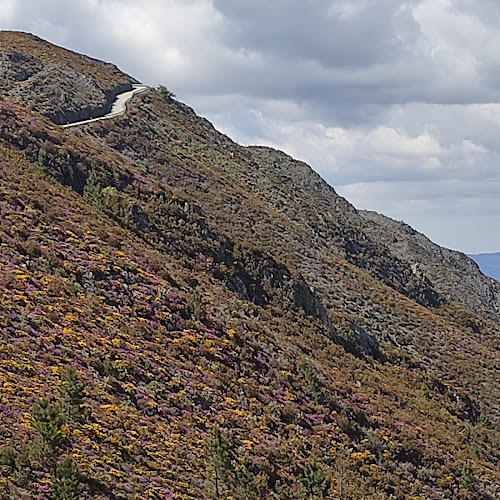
(72, 392)
(220, 453)
(67, 482)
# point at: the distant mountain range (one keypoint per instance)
(489, 263)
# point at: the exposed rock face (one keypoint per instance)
(366, 342)
(334, 222)
(454, 275)
(392, 251)
(251, 274)
(68, 115)
(58, 90)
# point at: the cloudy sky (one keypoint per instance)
(396, 104)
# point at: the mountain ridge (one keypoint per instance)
(215, 297)
(455, 275)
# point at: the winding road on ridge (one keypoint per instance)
(119, 106)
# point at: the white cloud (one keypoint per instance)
(8, 12)
(389, 141)
(346, 10)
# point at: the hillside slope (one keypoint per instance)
(207, 320)
(454, 275)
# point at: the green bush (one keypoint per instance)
(468, 479)
(92, 192)
(314, 384)
(313, 479)
(8, 457)
(245, 480)
(42, 164)
(165, 93)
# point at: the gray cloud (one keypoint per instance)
(335, 34)
(395, 104)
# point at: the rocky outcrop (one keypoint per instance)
(76, 89)
(63, 116)
(305, 297)
(335, 224)
(256, 278)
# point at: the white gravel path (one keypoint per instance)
(119, 106)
